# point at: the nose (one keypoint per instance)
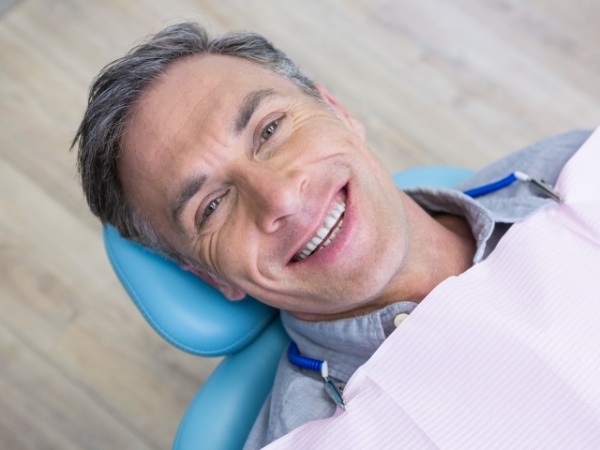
(270, 194)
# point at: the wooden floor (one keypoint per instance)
(458, 82)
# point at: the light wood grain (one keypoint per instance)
(435, 82)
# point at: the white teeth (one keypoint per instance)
(337, 230)
(325, 231)
(330, 222)
(322, 233)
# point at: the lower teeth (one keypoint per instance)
(323, 244)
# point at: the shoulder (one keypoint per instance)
(297, 398)
(543, 159)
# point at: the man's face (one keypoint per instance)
(243, 172)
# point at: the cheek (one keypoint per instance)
(317, 141)
(233, 249)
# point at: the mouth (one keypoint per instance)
(325, 235)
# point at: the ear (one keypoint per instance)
(350, 121)
(228, 290)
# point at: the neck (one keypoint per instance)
(441, 246)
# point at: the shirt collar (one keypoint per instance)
(451, 201)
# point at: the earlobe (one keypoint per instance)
(228, 290)
(231, 292)
(350, 121)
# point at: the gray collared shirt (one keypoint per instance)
(298, 396)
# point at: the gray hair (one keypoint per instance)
(116, 90)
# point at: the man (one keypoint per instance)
(222, 156)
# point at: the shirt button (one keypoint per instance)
(399, 319)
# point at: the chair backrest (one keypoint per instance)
(197, 319)
(183, 309)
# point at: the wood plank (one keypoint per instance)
(109, 351)
(42, 408)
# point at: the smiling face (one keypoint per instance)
(268, 188)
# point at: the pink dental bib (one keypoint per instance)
(507, 355)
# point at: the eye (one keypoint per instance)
(211, 207)
(204, 216)
(269, 130)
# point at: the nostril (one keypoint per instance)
(303, 185)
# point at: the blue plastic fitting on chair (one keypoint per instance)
(431, 176)
(197, 319)
(237, 388)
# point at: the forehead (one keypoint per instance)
(202, 91)
(205, 82)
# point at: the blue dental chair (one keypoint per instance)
(195, 318)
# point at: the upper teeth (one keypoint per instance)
(325, 234)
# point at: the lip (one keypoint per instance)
(339, 239)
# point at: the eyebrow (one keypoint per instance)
(249, 106)
(190, 187)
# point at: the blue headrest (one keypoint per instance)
(182, 308)
(431, 176)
